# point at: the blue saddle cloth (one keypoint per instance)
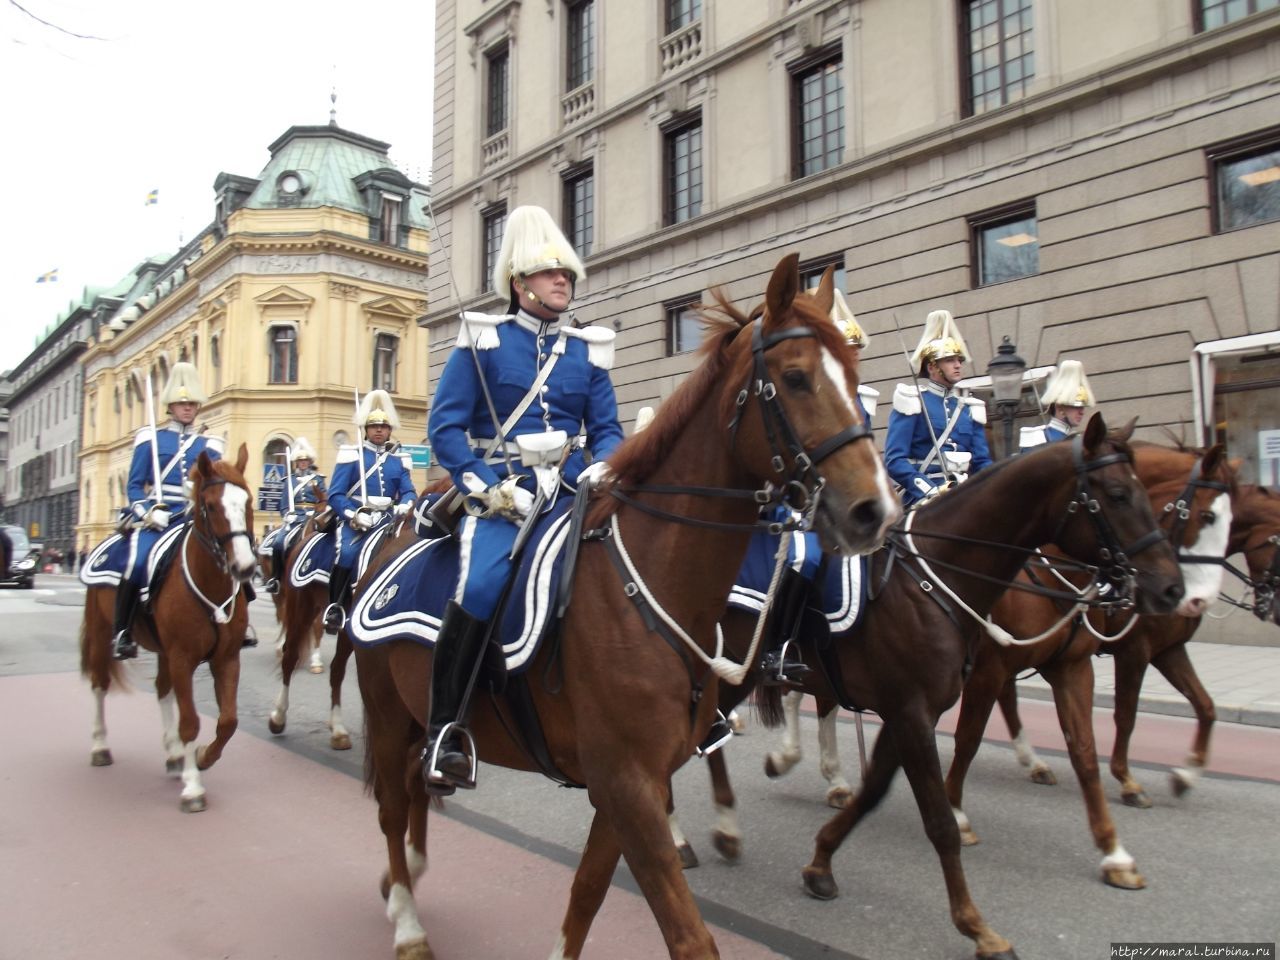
(314, 561)
(842, 591)
(107, 561)
(407, 597)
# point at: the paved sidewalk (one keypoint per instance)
(1244, 683)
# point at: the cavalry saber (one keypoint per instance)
(157, 492)
(288, 475)
(915, 379)
(364, 488)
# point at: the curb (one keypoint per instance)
(1257, 714)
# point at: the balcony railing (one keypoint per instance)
(682, 47)
(496, 148)
(578, 103)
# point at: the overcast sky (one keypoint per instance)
(175, 92)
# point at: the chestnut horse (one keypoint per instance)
(931, 592)
(198, 613)
(1161, 642)
(1191, 492)
(769, 409)
(298, 611)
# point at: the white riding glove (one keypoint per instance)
(596, 475)
(157, 518)
(363, 519)
(402, 508)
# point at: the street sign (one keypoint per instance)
(420, 453)
(271, 494)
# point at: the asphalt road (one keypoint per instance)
(1209, 858)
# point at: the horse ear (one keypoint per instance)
(242, 459)
(204, 465)
(783, 287)
(825, 297)
(1213, 459)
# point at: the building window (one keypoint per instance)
(1006, 244)
(818, 110)
(812, 271)
(1246, 183)
(999, 53)
(215, 359)
(283, 344)
(1236, 388)
(495, 220)
(582, 43)
(682, 171)
(389, 223)
(579, 209)
(681, 13)
(684, 329)
(496, 105)
(1218, 13)
(384, 362)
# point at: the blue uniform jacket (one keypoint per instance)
(308, 488)
(1032, 437)
(908, 441)
(577, 396)
(179, 448)
(388, 473)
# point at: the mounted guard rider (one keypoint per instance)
(372, 483)
(1067, 397)
(158, 489)
(512, 401)
(935, 437)
(306, 492)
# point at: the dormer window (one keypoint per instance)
(290, 188)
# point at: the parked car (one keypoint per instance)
(24, 560)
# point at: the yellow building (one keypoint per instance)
(304, 288)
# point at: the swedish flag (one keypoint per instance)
(50, 277)
(152, 198)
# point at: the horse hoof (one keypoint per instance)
(194, 804)
(1124, 878)
(839, 797)
(316, 668)
(414, 950)
(101, 758)
(688, 859)
(727, 846)
(384, 886)
(1139, 800)
(1044, 776)
(340, 741)
(968, 838)
(1180, 784)
(1008, 954)
(173, 766)
(819, 884)
(275, 726)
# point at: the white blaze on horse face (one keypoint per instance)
(1203, 580)
(834, 370)
(235, 503)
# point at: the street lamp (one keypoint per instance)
(1005, 370)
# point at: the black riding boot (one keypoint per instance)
(272, 586)
(777, 667)
(124, 647)
(335, 617)
(446, 764)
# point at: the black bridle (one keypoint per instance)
(216, 547)
(1264, 589)
(1180, 510)
(803, 483)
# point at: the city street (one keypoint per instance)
(285, 862)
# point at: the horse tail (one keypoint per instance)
(769, 705)
(94, 660)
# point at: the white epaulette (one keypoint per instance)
(347, 453)
(870, 397)
(599, 341)
(977, 409)
(143, 436)
(482, 328)
(216, 443)
(406, 461)
(906, 399)
(1031, 437)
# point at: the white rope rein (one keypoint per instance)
(221, 611)
(993, 629)
(1088, 624)
(723, 667)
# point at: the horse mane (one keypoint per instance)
(1179, 446)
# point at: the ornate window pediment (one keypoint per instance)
(284, 295)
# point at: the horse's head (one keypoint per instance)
(1192, 492)
(1112, 520)
(1255, 532)
(798, 425)
(223, 511)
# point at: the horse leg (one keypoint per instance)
(1072, 683)
(317, 635)
(684, 849)
(294, 636)
(96, 664)
(226, 681)
(100, 754)
(1176, 667)
(726, 837)
(1022, 748)
(918, 750)
(169, 738)
(192, 798)
(779, 764)
(339, 738)
(590, 884)
(818, 880)
(976, 701)
(839, 791)
(1130, 666)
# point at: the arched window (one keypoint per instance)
(282, 345)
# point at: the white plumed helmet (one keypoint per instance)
(941, 338)
(531, 242)
(1069, 387)
(376, 407)
(183, 386)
